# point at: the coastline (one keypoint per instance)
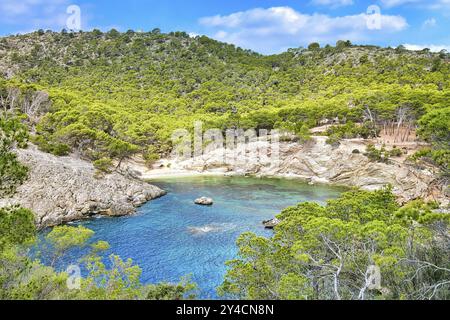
(316, 163)
(64, 189)
(159, 175)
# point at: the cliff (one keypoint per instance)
(64, 189)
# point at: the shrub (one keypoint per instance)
(103, 165)
(396, 152)
(423, 153)
(55, 148)
(12, 173)
(377, 155)
(351, 131)
(151, 156)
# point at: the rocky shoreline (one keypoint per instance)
(315, 162)
(66, 189)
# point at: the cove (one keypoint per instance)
(172, 237)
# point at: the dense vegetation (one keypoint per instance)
(12, 173)
(116, 94)
(25, 277)
(325, 252)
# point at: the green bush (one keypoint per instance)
(55, 148)
(377, 155)
(396, 152)
(439, 157)
(103, 165)
(151, 156)
(12, 173)
(350, 130)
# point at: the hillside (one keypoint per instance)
(114, 94)
(100, 110)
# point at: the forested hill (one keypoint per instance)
(117, 93)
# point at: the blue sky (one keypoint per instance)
(266, 26)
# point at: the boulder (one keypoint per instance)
(204, 201)
(271, 224)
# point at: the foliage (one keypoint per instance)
(22, 278)
(325, 252)
(382, 155)
(55, 148)
(299, 129)
(63, 238)
(376, 155)
(185, 289)
(395, 152)
(12, 173)
(109, 96)
(16, 226)
(435, 129)
(351, 131)
(116, 94)
(103, 165)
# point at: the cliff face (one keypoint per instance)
(319, 162)
(64, 189)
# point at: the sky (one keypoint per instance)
(265, 26)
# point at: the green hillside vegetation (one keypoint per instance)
(325, 252)
(116, 94)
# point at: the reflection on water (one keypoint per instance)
(172, 237)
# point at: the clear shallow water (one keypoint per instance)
(172, 237)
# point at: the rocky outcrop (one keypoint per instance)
(64, 189)
(319, 162)
(271, 224)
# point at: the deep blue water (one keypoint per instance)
(172, 237)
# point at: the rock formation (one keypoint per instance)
(271, 224)
(319, 162)
(64, 189)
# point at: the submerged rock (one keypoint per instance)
(204, 201)
(271, 224)
(65, 189)
(211, 228)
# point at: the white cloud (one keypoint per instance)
(34, 14)
(432, 47)
(268, 30)
(439, 5)
(332, 3)
(429, 23)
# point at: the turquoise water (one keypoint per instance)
(172, 237)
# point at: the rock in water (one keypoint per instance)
(203, 201)
(65, 189)
(270, 224)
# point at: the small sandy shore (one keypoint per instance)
(165, 171)
(159, 174)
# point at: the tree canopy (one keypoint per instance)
(115, 94)
(329, 252)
